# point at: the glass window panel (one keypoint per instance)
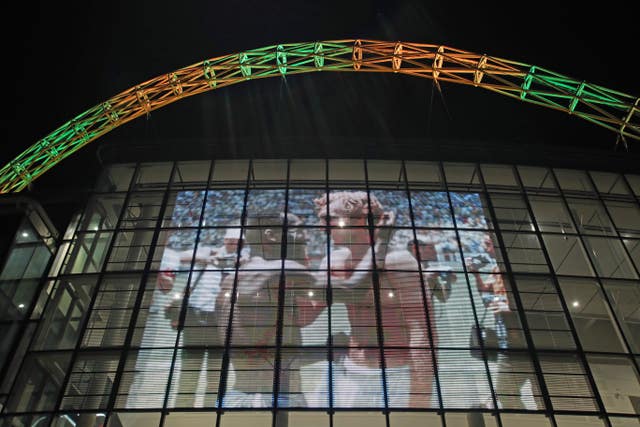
(111, 312)
(609, 258)
(232, 172)
(302, 204)
(9, 332)
(142, 210)
(192, 419)
(634, 183)
(307, 170)
(201, 326)
(306, 246)
(590, 216)
(537, 179)
(346, 170)
(16, 296)
(25, 420)
(591, 316)
(469, 210)
(115, 177)
(308, 377)
(87, 254)
(42, 299)
(470, 419)
(625, 301)
(66, 310)
(304, 418)
(361, 321)
(269, 170)
(26, 234)
(410, 386)
(174, 250)
(256, 309)
(511, 212)
(153, 175)
(551, 214)
(481, 251)
(218, 250)
(461, 175)
(626, 217)
(157, 315)
(396, 203)
(191, 174)
(263, 202)
(579, 421)
(546, 319)
(300, 378)
(413, 419)
(348, 210)
(102, 212)
(246, 418)
(223, 207)
(196, 374)
(133, 419)
(25, 261)
(567, 383)
(357, 377)
(524, 253)
(184, 209)
(385, 172)
(631, 421)
(424, 173)
(39, 383)
(524, 420)
(516, 383)
(304, 302)
(351, 419)
(451, 320)
(79, 418)
(250, 380)
(130, 250)
(567, 255)
(573, 180)
(609, 183)
(17, 354)
(91, 380)
(439, 250)
(633, 247)
(431, 209)
(498, 310)
(38, 262)
(404, 325)
(618, 383)
(498, 176)
(143, 382)
(463, 379)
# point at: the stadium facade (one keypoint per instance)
(454, 284)
(290, 292)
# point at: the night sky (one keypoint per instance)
(62, 58)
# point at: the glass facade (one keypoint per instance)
(338, 293)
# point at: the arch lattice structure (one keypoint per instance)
(608, 108)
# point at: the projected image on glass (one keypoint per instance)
(313, 299)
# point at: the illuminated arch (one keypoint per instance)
(610, 109)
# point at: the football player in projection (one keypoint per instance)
(511, 375)
(403, 306)
(200, 339)
(258, 311)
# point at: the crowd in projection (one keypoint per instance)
(364, 306)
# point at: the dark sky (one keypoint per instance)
(62, 58)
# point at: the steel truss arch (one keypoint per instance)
(604, 107)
